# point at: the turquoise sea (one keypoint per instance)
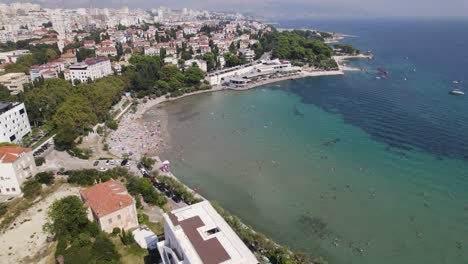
(351, 168)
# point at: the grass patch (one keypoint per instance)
(131, 253)
(43, 139)
(157, 228)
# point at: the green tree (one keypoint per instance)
(193, 75)
(147, 162)
(31, 189)
(76, 113)
(45, 177)
(42, 102)
(5, 94)
(210, 61)
(112, 124)
(66, 217)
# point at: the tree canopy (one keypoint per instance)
(298, 45)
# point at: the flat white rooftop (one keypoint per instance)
(204, 236)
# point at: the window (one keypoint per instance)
(110, 220)
(7, 189)
(212, 231)
(13, 189)
(12, 138)
(119, 217)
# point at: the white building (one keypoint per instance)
(92, 68)
(255, 68)
(16, 165)
(197, 234)
(12, 56)
(14, 81)
(14, 122)
(145, 238)
(106, 51)
(248, 54)
(200, 64)
(152, 50)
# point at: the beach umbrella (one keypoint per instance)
(166, 162)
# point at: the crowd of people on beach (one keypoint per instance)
(136, 137)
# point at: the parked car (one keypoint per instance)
(96, 163)
(161, 188)
(103, 169)
(176, 198)
(169, 193)
(124, 162)
(112, 162)
(107, 162)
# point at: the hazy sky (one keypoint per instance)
(292, 8)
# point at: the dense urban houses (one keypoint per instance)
(110, 206)
(198, 234)
(14, 81)
(90, 69)
(46, 71)
(106, 51)
(14, 122)
(16, 165)
(69, 57)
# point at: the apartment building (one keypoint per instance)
(14, 122)
(14, 81)
(197, 234)
(92, 68)
(16, 165)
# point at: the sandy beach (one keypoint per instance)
(145, 132)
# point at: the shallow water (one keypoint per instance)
(352, 168)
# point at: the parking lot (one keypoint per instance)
(55, 160)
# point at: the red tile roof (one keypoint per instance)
(10, 154)
(106, 197)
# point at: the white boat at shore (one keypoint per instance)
(457, 92)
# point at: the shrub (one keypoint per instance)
(126, 238)
(31, 189)
(138, 201)
(3, 209)
(148, 162)
(45, 177)
(143, 186)
(80, 153)
(39, 161)
(112, 124)
(115, 231)
(100, 130)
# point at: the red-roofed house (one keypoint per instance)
(89, 44)
(110, 205)
(16, 165)
(107, 43)
(69, 57)
(106, 51)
